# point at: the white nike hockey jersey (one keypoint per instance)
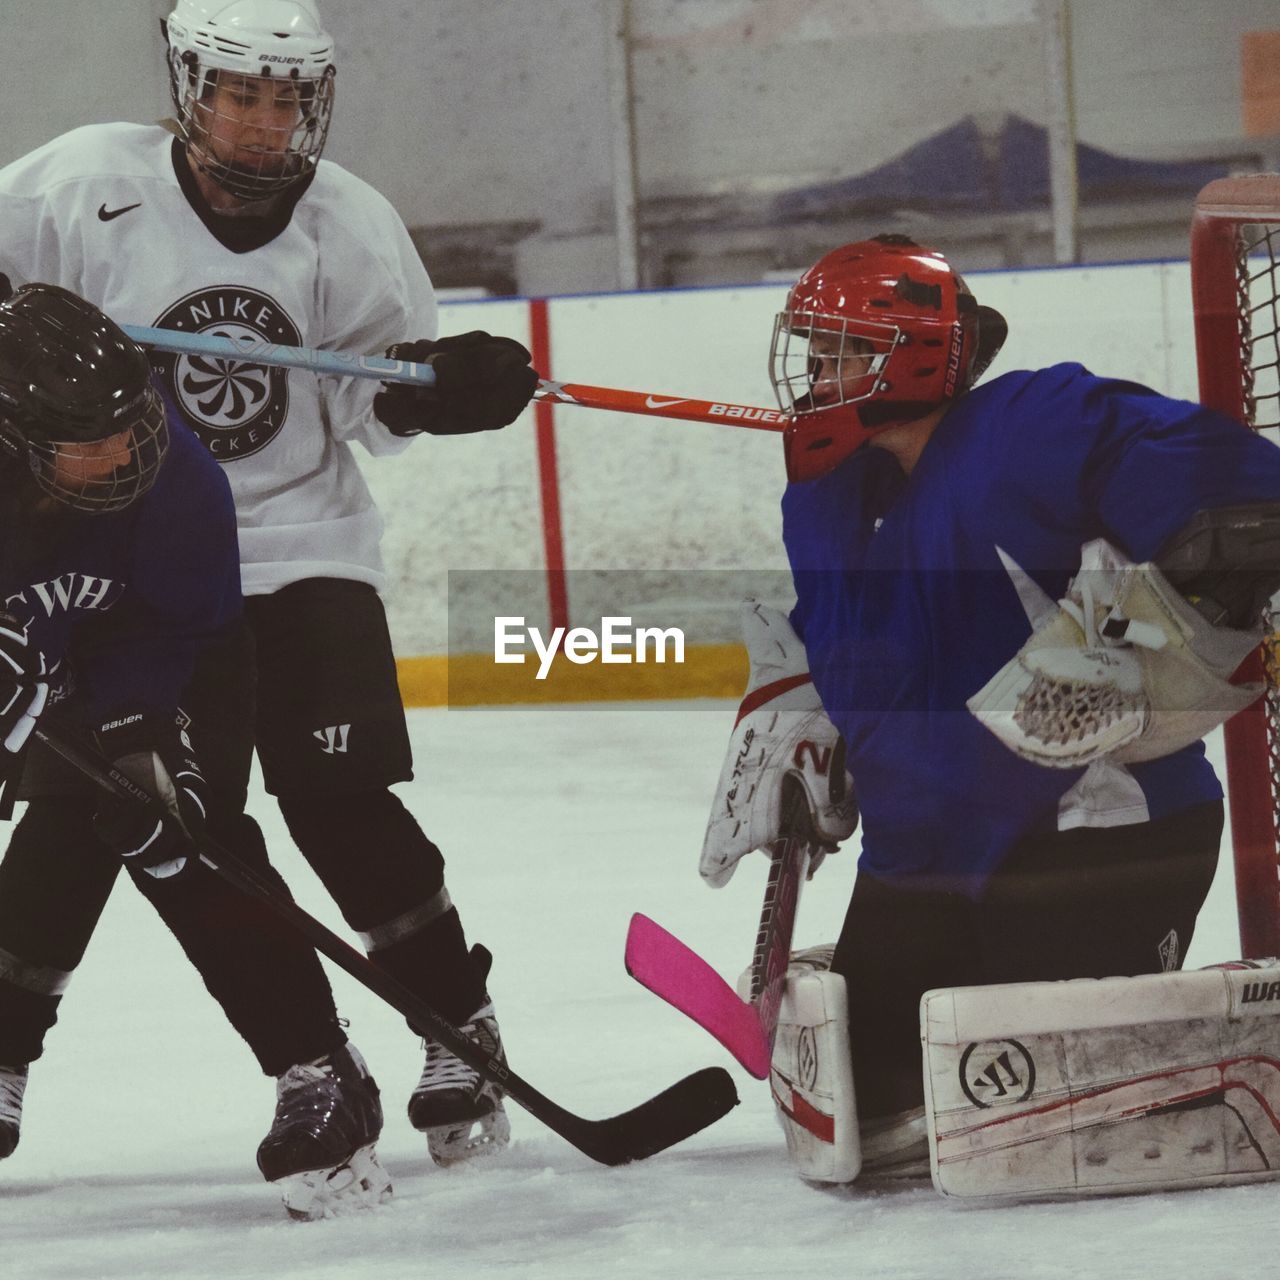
(100, 211)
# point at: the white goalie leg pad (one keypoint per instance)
(1053, 1089)
(1125, 668)
(781, 732)
(811, 1076)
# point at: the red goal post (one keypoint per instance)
(1235, 287)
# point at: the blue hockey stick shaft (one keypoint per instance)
(339, 364)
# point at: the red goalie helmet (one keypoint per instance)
(874, 333)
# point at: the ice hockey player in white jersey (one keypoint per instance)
(232, 224)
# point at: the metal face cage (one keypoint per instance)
(97, 476)
(819, 361)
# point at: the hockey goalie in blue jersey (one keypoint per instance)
(1021, 603)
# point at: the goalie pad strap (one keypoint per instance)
(797, 1109)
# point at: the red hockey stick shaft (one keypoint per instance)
(661, 406)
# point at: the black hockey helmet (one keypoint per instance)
(77, 404)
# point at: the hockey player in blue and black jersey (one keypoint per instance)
(119, 565)
(1021, 604)
(118, 562)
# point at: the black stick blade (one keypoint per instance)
(671, 1116)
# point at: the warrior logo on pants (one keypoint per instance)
(334, 738)
(235, 407)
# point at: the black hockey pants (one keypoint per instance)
(1085, 903)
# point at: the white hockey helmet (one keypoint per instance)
(266, 44)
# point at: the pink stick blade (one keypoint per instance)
(660, 961)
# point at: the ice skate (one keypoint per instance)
(458, 1109)
(13, 1083)
(320, 1149)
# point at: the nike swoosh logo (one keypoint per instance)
(105, 216)
(651, 403)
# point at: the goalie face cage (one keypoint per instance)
(1235, 285)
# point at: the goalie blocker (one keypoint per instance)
(1049, 1089)
(781, 734)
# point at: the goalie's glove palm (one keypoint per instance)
(1125, 669)
(781, 733)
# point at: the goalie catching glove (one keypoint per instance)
(781, 731)
(482, 383)
(1127, 669)
(155, 752)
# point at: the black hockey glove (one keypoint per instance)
(482, 383)
(155, 752)
(24, 689)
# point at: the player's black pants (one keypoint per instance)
(1087, 903)
(310, 680)
(54, 883)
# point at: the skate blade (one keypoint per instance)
(451, 1144)
(361, 1183)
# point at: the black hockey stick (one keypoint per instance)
(669, 1117)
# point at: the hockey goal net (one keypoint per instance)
(1235, 285)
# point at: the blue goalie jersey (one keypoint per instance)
(907, 607)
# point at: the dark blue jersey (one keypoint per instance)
(907, 608)
(125, 600)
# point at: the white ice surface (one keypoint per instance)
(142, 1119)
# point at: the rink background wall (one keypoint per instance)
(657, 503)
(474, 111)
(488, 110)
